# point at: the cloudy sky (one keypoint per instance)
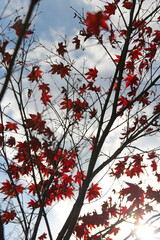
(55, 18)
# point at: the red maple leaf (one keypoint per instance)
(11, 141)
(67, 191)
(18, 27)
(67, 104)
(43, 236)
(93, 88)
(3, 47)
(76, 41)
(122, 101)
(35, 75)
(135, 53)
(11, 126)
(123, 33)
(151, 51)
(158, 176)
(33, 204)
(45, 93)
(95, 21)
(156, 40)
(79, 107)
(114, 230)
(92, 113)
(127, 4)
(79, 177)
(130, 66)
(93, 192)
(61, 50)
(123, 211)
(119, 169)
(60, 69)
(92, 73)
(154, 166)
(8, 189)
(83, 88)
(131, 81)
(117, 58)
(110, 8)
(7, 216)
(35, 122)
(6, 57)
(134, 192)
(35, 144)
(152, 155)
(143, 65)
(136, 166)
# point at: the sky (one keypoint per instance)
(55, 18)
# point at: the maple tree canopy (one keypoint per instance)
(81, 134)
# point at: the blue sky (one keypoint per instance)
(58, 14)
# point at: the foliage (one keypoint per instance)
(78, 131)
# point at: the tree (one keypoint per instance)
(86, 129)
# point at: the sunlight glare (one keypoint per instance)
(144, 233)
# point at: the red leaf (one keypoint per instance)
(152, 155)
(123, 211)
(33, 204)
(67, 104)
(119, 169)
(110, 8)
(61, 50)
(122, 101)
(8, 189)
(76, 41)
(130, 66)
(158, 177)
(11, 126)
(6, 57)
(127, 5)
(114, 230)
(83, 89)
(79, 177)
(45, 90)
(134, 192)
(154, 166)
(7, 216)
(93, 192)
(135, 53)
(35, 144)
(35, 75)
(131, 80)
(43, 236)
(136, 165)
(11, 141)
(18, 27)
(117, 58)
(151, 51)
(3, 47)
(60, 69)
(93, 113)
(156, 40)
(96, 21)
(35, 122)
(92, 73)
(93, 88)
